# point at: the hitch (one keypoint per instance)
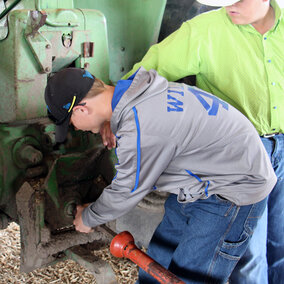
(122, 245)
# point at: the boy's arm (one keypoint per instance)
(175, 57)
(136, 176)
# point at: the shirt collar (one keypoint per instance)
(278, 14)
(121, 87)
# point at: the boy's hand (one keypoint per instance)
(107, 136)
(78, 222)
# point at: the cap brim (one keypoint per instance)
(62, 130)
(217, 3)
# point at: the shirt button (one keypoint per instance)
(273, 83)
(265, 38)
(269, 60)
(274, 107)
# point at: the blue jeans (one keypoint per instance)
(263, 261)
(201, 242)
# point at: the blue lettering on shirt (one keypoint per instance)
(176, 91)
(174, 104)
(211, 109)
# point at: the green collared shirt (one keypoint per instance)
(234, 62)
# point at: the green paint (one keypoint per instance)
(34, 51)
(133, 26)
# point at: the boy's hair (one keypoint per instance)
(98, 87)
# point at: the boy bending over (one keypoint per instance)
(176, 138)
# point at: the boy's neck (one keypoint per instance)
(266, 23)
(108, 94)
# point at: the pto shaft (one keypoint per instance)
(122, 245)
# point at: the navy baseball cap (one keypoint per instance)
(63, 91)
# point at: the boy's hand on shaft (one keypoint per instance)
(78, 222)
(107, 136)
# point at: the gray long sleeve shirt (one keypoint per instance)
(177, 138)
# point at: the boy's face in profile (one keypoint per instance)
(86, 119)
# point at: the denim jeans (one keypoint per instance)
(263, 261)
(201, 242)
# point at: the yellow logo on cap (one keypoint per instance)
(72, 104)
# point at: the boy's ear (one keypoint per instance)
(79, 109)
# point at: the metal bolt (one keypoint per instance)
(29, 155)
(48, 46)
(34, 172)
(47, 69)
(70, 209)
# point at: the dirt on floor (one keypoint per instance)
(63, 272)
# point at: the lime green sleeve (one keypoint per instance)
(174, 58)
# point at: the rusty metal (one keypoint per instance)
(41, 247)
(37, 20)
(88, 49)
(123, 245)
(58, 243)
